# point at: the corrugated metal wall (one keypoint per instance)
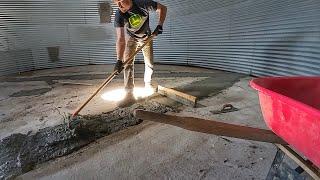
(257, 37)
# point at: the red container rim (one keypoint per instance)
(254, 83)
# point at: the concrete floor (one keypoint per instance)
(35, 100)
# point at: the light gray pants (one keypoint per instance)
(131, 46)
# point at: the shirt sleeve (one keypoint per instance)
(118, 20)
(150, 5)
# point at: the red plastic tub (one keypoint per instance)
(291, 109)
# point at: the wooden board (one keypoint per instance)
(211, 127)
(229, 130)
(181, 97)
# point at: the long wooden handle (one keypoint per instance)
(76, 112)
(109, 78)
(211, 127)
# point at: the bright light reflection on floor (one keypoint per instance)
(119, 94)
(114, 95)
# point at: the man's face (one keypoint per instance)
(123, 5)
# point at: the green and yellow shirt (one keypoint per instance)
(136, 20)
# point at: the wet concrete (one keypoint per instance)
(31, 92)
(128, 149)
(20, 153)
(50, 79)
(210, 86)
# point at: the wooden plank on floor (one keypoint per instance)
(181, 97)
(304, 164)
(211, 127)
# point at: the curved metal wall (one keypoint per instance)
(257, 37)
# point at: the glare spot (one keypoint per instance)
(114, 95)
(119, 94)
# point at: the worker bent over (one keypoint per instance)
(132, 16)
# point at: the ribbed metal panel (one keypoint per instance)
(16, 61)
(257, 37)
(29, 27)
(253, 37)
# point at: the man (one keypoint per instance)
(132, 16)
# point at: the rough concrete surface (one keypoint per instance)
(20, 153)
(33, 104)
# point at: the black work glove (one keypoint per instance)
(118, 66)
(158, 30)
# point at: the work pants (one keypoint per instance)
(131, 46)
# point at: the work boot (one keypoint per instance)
(127, 101)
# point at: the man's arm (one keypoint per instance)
(162, 11)
(121, 43)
